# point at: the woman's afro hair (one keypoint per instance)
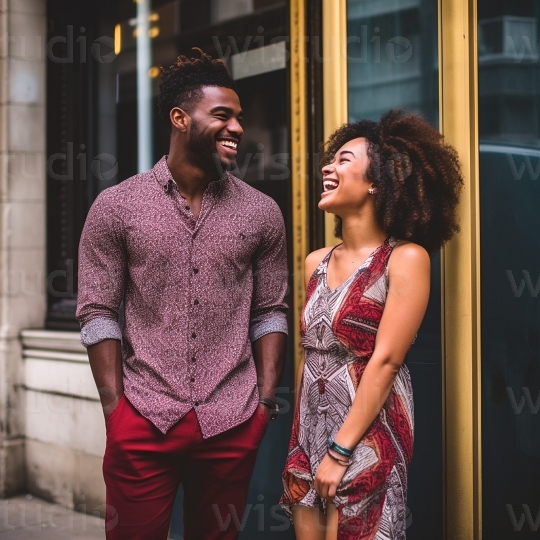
(182, 83)
(417, 175)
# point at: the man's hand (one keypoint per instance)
(106, 364)
(269, 355)
(266, 412)
(108, 409)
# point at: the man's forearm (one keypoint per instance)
(269, 355)
(106, 364)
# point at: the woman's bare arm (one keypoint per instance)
(408, 294)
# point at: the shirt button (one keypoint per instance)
(196, 302)
(194, 335)
(192, 379)
(195, 270)
(196, 404)
(193, 359)
(187, 208)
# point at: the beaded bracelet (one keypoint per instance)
(338, 448)
(340, 461)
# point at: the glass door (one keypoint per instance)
(509, 111)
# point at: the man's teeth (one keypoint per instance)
(229, 144)
(329, 185)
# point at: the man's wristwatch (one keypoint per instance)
(272, 405)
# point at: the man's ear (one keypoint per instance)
(180, 119)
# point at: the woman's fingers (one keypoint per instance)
(332, 488)
(319, 487)
(326, 488)
(328, 491)
(327, 479)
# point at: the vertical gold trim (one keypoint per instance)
(299, 165)
(458, 82)
(334, 80)
(443, 336)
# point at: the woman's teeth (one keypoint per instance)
(329, 185)
(229, 144)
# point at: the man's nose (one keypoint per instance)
(235, 127)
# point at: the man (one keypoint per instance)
(199, 258)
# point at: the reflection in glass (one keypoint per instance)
(392, 57)
(392, 62)
(509, 111)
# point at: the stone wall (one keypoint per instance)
(22, 215)
(65, 430)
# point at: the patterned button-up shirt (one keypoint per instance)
(196, 293)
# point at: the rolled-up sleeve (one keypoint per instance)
(270, 280)
(102, 270)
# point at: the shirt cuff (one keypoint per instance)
(277, 322)
(98, 330)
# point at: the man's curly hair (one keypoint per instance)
(182, 83)
(417, 175)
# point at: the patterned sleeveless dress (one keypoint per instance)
(338, 335)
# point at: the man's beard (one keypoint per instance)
(203, 149)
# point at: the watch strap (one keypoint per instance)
(271, 404)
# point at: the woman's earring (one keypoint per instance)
(371, 191)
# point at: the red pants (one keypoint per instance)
(143, 468)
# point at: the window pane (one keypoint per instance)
(509, 102)
(392, 62)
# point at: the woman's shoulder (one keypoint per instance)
(408, 255)
(313, 260)
(316, 257)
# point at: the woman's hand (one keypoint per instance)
(328, 477)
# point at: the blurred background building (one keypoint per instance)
(78, 89)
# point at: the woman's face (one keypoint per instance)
(345, 186)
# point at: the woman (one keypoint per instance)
(393, 187)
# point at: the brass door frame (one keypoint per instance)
(335, 103)
(460, 263)
(299, 164)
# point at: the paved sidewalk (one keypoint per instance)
(28, 518)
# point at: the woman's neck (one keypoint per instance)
(360, 231)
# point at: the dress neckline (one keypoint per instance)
(354, 274)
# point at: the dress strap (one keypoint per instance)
(328, 255)
(319, 273)
(391, 242)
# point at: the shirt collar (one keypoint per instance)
(166, 181)
(163, 174)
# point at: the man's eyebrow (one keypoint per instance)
(226, 109)
(346, 152)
